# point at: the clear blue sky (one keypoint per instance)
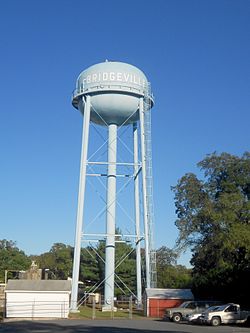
(196, 55)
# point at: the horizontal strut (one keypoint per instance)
(105, 175)
(114, 163)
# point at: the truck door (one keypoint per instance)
(231, 314)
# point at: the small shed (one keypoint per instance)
(37, 298)
(157, 300)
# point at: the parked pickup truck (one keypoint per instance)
(190, 307)
(225, 314)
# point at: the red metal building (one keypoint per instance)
(157, 300)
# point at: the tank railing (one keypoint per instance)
(128, 88)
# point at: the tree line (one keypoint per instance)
(58, 263)
(213, 220)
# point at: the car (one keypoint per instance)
(194, 318)
(177, 314)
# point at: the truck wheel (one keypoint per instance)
(176, 317)
(215, 321)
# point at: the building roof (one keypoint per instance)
(169, 293)
(38, 285)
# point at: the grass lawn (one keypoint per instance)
(87, 312)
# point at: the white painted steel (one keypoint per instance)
(112, 94)
(80, 209)
(110, 224)
(149, 193)
(144, 190)
(137, 217)
(115, 88)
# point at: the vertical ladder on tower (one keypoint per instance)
(149, 188)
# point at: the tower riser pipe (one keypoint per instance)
(110, 219)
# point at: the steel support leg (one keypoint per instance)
(80, 209)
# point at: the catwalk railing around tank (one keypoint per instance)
(135, 89)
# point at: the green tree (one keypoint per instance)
(214, 220)
(169, 274)
(89, 270)
(166, 257)
(12, 259)
(58, 260)
(125, 263)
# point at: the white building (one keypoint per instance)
(37, 298)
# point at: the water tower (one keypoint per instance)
(114, 95)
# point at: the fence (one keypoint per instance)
(121, 310)
(58, 309)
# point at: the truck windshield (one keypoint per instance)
(185, 305)
(212, 308)
(222, 307)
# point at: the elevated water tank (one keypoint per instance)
(115, 89)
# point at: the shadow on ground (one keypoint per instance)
(82, 327)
